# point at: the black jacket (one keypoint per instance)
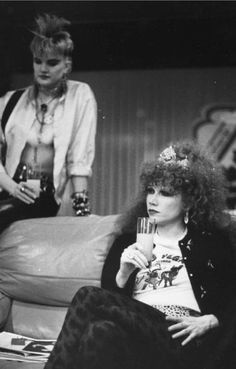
(210, 262)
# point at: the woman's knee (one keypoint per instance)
(84, 293)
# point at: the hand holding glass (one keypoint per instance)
(145, 232)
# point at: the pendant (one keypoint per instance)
(44, 108)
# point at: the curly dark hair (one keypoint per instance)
(186, 168)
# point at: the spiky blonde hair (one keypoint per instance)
(50, 35)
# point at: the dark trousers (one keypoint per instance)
(12, 209)
(104, 330)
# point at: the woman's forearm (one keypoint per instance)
(121, 279)
(7, 183)
(79, 183)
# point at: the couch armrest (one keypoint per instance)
(5, 307)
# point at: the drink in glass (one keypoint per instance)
(145, 232)
(33, 180)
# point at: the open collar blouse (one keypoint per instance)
(74, 129)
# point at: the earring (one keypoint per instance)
(62, 88)
(186, 218)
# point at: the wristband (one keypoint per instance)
(80, 203)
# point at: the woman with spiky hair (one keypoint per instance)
(47, 131)
(169, 311)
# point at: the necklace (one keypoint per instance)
(42, 107)
(56, 91)
(41, 110)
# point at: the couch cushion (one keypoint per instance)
(34, 320)
(47, 260)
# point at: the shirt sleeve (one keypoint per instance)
(2, 148)
(3, 101)
(112, 265)
(82, 146)
(224, 260)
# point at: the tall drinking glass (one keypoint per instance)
(33, 179)
(145, 232)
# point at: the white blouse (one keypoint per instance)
(74, 130)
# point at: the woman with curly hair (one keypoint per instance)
(169, 312)
(47, 131)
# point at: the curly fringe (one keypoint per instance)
(202, 184)
(50, 35)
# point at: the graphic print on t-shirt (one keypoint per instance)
(161, 273)
(166, 281)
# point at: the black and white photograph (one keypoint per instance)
(117, 184)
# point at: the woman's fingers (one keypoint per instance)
(192, 327)
(177, 326)
(181, 333)
(138, 251)
(29, 191)
(188, 339)
(24, 193)
(132, 255)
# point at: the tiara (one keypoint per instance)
(169, 156)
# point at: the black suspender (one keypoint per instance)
(9, 107)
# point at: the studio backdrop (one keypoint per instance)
(139, 112)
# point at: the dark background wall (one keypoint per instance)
(153, 66)
(128, 34)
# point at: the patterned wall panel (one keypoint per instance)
(139, 111)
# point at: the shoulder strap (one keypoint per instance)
(10, 106)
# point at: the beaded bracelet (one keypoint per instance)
(80, 203)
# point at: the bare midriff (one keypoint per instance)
(39, 158)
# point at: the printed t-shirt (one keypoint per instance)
(165, 281)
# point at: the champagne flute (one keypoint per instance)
(145, 233)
